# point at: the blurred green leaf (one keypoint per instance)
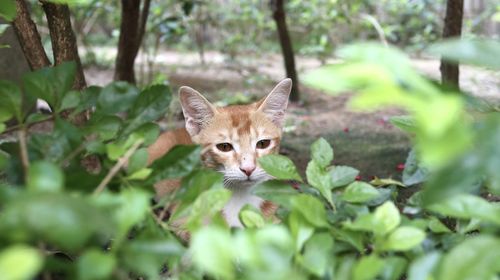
(211, 253)
(95, 264)
(475, 258)
(18, 262)
(44, 176)
(394, 268)
(317, 255)
(105, 126)
(58, 219)
(208, 204)
(405, 123)
(117, 97)
(436, 226)
(279, 167)
(469, 51)
(70, 100)
(343, 175)
(251, 219)
(322, 152)
(138, 160)
(404, 238)
(10, 101)
(423, 267)
(414, 173)
(148, 132)
(8, 10)
(133, 207)
(466, 206)
(368, 267)
(178, 162)
(359, 192)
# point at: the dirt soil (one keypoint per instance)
(366, 141)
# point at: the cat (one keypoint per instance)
(232, 139)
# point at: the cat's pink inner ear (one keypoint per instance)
(275, 103)
(196, 109)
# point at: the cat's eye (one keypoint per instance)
(224, 147)
(262, 144)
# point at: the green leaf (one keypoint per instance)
(44, 176)
(55, 218)
(138, 160)
(141, 174)
(320, 180)
(211, 253)
(343, 175)
(386, 218)
(423, 267)
(368, 267)
(475, 258)
(117, 97)
(359, 192)
(133, 207)
(469, 51)
(105, 126)
(414, 173)
(436, 226)
(466, 206)
(300, 228)
(317, 254)
(8, 10)
(381, 182)
(279, 167)
(95, 264)
(404, 238)
(276, 191)
(151, 104)
(394, 268)
(310, 208)
(208, 204)
(251, 219)
(148, 132)
(10, 101)
(70, 100)
(178, 162)
(322, 152)
(405, 123)
(19, 262)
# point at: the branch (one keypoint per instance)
(29, 38)
(119, 164)
(63, 38)
(24, 151)
(142, 23)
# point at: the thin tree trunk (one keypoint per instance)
(286, 46)
(63, 39)
(452, 28)
(132, 28)
(29, 38)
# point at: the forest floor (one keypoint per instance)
(366, 141)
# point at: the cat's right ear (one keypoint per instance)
(196, 109)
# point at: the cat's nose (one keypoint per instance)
(247, 170)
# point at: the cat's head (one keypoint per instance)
(234, 137)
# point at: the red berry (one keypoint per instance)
(346, 130)
(400, 167)
(358, 178)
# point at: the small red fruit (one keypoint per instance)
(400, 167)
(346, 130)
(358, 178)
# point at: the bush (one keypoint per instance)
(69, 208)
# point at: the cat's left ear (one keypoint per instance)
(275, 103)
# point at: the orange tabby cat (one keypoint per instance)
(232, 139)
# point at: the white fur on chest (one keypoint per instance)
(240, 197)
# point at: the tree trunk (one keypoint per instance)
(286, 46)
(63, 39)
(132, 30)
(29, 38)
(452, 28)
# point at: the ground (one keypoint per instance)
(366, 141)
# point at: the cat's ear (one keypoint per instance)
(196, 109)
(275, 103)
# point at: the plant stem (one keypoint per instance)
(119, 164)
(24, 151)
(21, 126)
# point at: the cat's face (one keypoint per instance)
(234, 137)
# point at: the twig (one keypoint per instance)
(24, 151)
(119, 164)
(18, 127)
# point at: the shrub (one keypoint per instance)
(69, 208)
